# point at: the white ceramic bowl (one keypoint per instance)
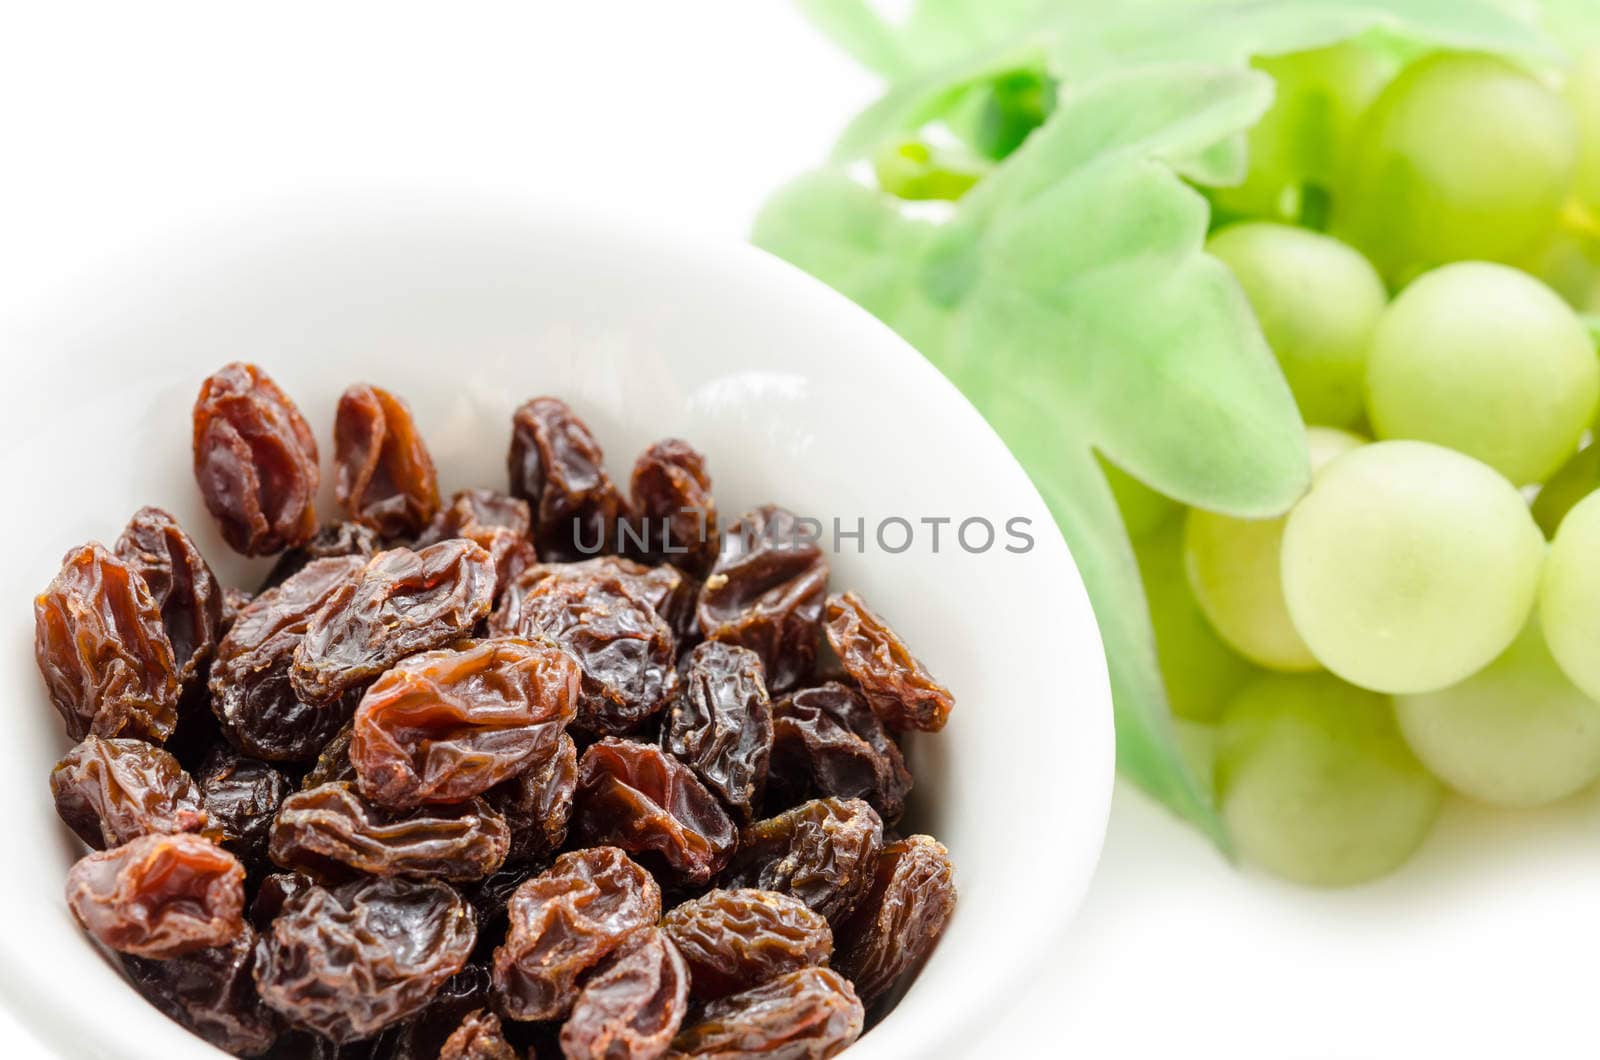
(795, 395)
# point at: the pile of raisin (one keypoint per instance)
(567, 770)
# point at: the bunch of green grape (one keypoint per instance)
(1419, 241)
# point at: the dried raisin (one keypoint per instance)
(897, 686)
(827, 741)
(823, 852)
(113, 791)
(672, 502)
(537, 804)
(383, 475)
(558, 468)
(212, 993)
(633, 1003)
(479, 1037)
(901, 918)
(181, 583)
(806, 1015)
(734, 940)
(159, 895)
(241, 795)
(720, 723)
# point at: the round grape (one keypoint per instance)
(1409, 566)
(1583, 95)
(1488, 361)
(1569, 595)
(1315, 783)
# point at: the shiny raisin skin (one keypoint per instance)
(637, 797)
(212, 993)
(537, 804)
(823, 852)
(444, 726)
(250, 690)
(734, 940)
(828, 741)
(333, 761)
(255, 460)
(331, 832)
(273, 892)
(501, 524)
(112, 791)
(402, 602)
(765, 593)
(625, 650)
(559, 469)
(811, 1014)
(898, 687)
(633, 1003)
(241, 795)
(667, 590)
(479, 1037)
(671, 492)
(159, 895)
(349, 961)
(422, 1036)
(383, 474)
(338, 541)
(181, 583)
(720, 723)
(565, 921)
(899, 922)
(103, 650)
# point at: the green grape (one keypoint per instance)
(1578, 478)
(1294, 149)
(1461, 157)
(1487, 361)
(1143, 509)
(912, 169)
(1318, 301)
(1583, 95)
(1315, 783)
(1569, 595)
(1234, 571)
(1569, 264)
(1199, 671)
(1409, 566)
(1516, 733)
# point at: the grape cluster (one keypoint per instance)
(1419, 242)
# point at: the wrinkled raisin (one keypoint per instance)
(181, 583)
(383, 475)
(667, 590)
(734, 940)
(897, 686)
(444, 726)
(212, 993)
(479, 1037)
(558, 468)
(349, 961)
(721, 723)
(806, 1015)
(422, 1036)
(333, 761)
(250, 690)
(823, 852)
(402, 602)
(501, 524)
(103, 650)
(330, 832)
(901, 918)
(633, 1003)
(765, 593)
(273, 893)
(113, 791)
(827, 741)
(672, 501)
(648, 803)
(159, 895)
(537, 804)
(241, 795)
(337, 541)
(255, 459)
(565, 921)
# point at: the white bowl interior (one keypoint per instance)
(795, 396)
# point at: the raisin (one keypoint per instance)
(672, 501)
(633, 1003)
(212, 993)
(643, 800)
(558, 468)
(501, 524)
(113, 791)
(330, 832)
(233, 601)
(897, 686)
(331, 542)
(734, 940)
(667, 590)
(823, 852)
(255, 459)
(349, 961)
(565, 921)
(333, 761)
(765, 593)
(479, 1037)
(624, 648)
(250, 690)
(273, 893)
(159, 895)
(383, 475)
(241, 795)
(444, 726)
(537, 804)
(103, 650)
(181, 583)
(827, 741)
(721, 723)
(806, 1015)
(402, 602)
(422, 1036)
(900, 920)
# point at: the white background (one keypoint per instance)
(116, 119)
